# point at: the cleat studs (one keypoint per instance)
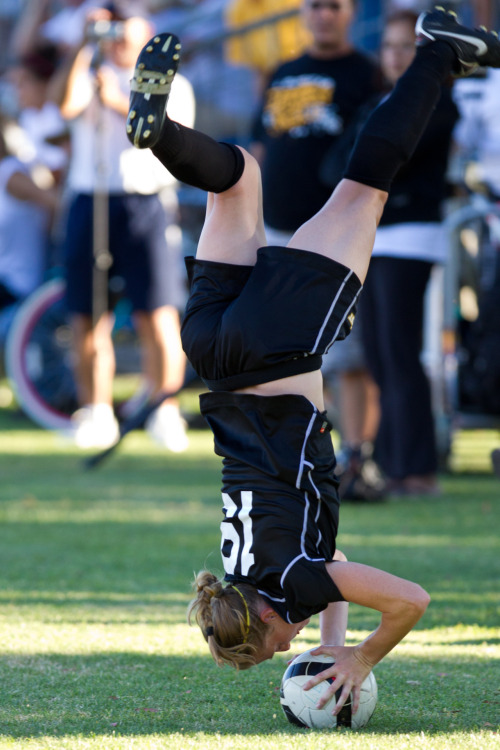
(177, 46)
(157, 39)
(170, 72)
(146, 133)
(132, 114)
(141, 66)
(151, 118)
(163, 80)
(176, 57)
(149, 49)
(140, 79)
(129, 128)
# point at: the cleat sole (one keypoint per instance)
(149, 89)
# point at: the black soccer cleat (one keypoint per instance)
(149, 89)
(473, 47)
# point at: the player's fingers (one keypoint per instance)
(328, 693)
(355, 693)
(344, 695)
(324, 649)
(319, 678)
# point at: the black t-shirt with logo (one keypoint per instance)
(306, 106)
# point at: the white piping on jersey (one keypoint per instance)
(290, 564)
(305, 463)
(302, 545)
(330, 311)
(302, 452)
(320, 535)
(309, 474)
(273, 598)
(307, 505)
(304, 530)
(347, 312)
(310, 466)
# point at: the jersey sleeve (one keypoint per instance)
(309, 589)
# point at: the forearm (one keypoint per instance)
(67, 84)
(333, 619)
(333, 623)
(23, 187)
(392, 629)
(400, 602)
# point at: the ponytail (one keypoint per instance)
(229, 618)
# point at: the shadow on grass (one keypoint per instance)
(130, 610)
(133, 693)
(15, 419)
(120, 563)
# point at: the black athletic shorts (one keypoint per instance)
(246, 325)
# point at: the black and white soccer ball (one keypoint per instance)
(299, 705)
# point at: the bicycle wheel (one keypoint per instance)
(38, 358)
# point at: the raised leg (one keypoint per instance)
(234, 224)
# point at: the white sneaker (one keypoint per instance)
(95, 426)
(167, 428)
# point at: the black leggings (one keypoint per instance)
(391, 311)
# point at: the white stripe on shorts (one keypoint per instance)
(329, 315)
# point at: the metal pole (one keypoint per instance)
(100, 225)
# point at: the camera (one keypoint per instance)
(105, 30)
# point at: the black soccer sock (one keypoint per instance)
(198, 160)
(391, 133)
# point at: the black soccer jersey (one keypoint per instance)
(280, 498)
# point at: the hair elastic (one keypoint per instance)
(247, 613)
(209, 631)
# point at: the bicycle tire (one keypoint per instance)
(38, 358)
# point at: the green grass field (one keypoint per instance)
(95, 579)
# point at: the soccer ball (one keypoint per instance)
(299, 705)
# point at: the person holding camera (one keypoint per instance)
(126, 244)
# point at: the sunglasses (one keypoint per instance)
(315, 5)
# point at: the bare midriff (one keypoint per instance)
(307, 384)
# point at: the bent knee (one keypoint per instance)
(339, 556)
(250, 179)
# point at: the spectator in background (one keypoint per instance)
(409, 240)
(264, 48)
(64, 28)
(39, 117)
(31, 171)
(26, 209)
(307, 105)
(93, 92)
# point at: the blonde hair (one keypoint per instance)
(229, 619)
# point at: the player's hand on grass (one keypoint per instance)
(349, 672)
